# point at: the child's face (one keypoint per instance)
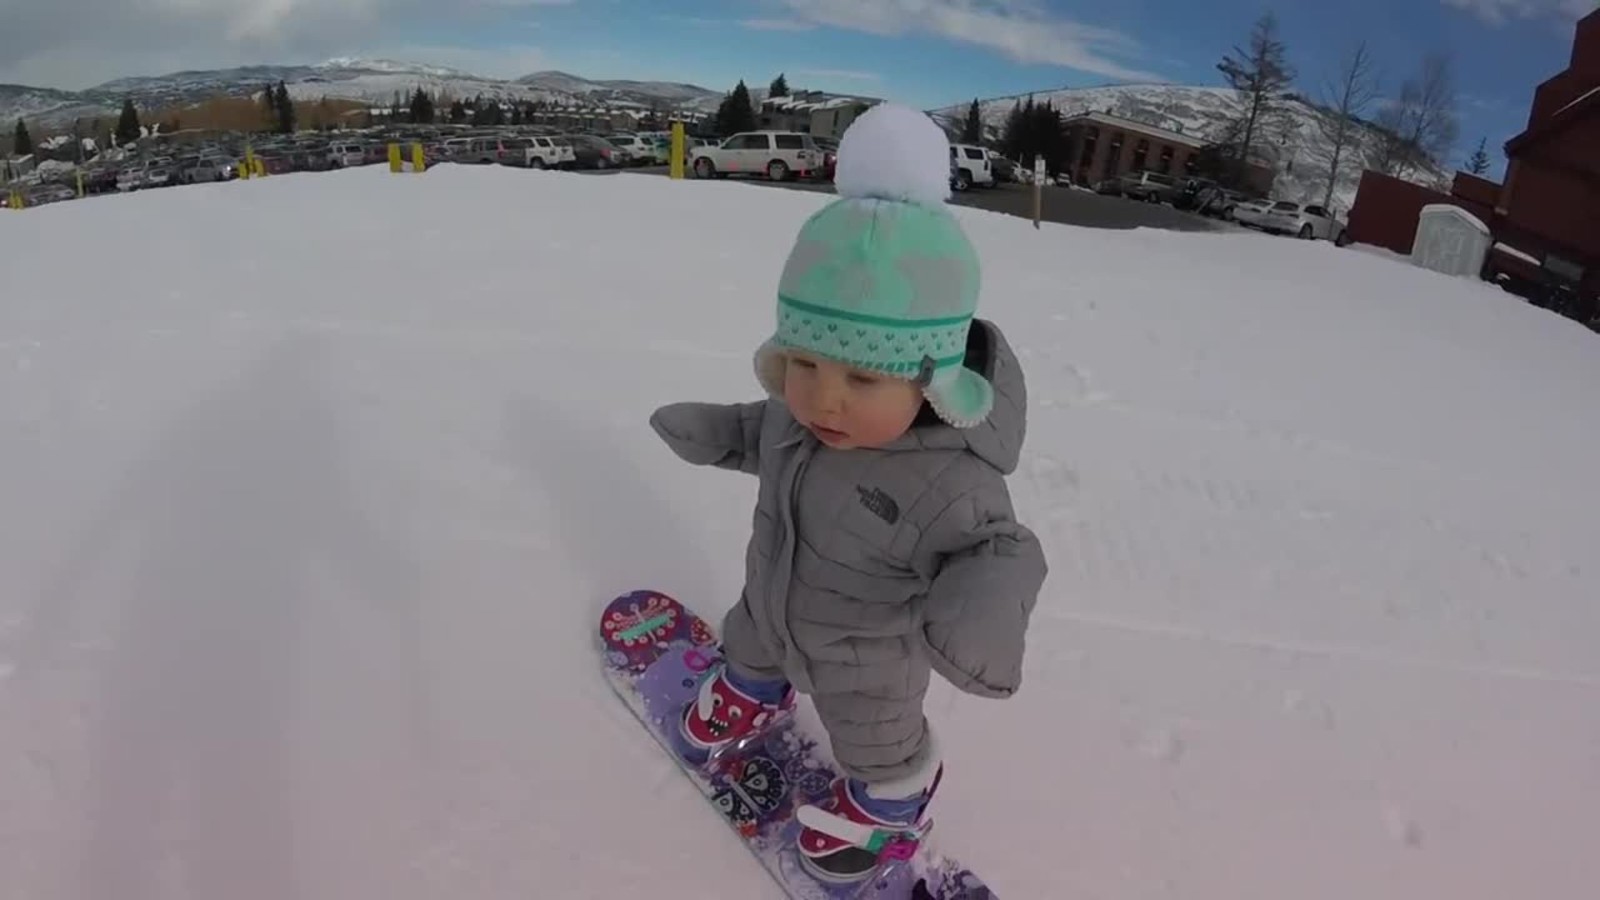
(848, 408)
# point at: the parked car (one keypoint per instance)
(42, 194)
(970, 166)
(1253, 213)
(1152, 187)
(347, 155)
(779, 155)
(157, 172)
(640, 151)
(204, 168)
(591, 152)
(1309, 222)
(643, 149)
(543, 152)
(1005, 170)
(830, 156)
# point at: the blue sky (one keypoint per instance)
(936, 52)
(924, 52)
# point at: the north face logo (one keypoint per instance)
(881, 504)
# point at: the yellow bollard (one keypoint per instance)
(249, 163)
(678, 151)
(80, 185)
(419, 163)
(394, 158)
(261, 167)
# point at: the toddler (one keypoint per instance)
(884, 545)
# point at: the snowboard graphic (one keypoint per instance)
(655, 652)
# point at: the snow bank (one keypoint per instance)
(310, 488)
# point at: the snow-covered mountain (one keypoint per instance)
(625, 92)
(1204, 112)
(370, 80)
(22, 102)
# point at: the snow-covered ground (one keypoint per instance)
(311, 489)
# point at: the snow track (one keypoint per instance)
(304, 536)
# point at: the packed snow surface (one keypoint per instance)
(311, 489)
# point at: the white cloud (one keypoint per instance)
(838, 74)
(80, 43)
(1022, 30)
(496, 62)
(777, 25)
(1499, 12)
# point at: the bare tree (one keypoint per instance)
(1345, 101)
(1420, 125)
(1260, 74)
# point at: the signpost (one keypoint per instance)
(1038, 189)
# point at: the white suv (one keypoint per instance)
(780, 155)
(537, 152)
(969, 165)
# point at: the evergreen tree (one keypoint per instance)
(779, 87)
(24, 141)
(128, 124)
(285, 109)
(1260, 74)
(269, 107)
(972, 131)
(1011, 134)
(1033, 130)
(421, 108)
(736, 113)
(1478, 163)
(458, 113)
(487, 112)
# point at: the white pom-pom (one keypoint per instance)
(894, 152)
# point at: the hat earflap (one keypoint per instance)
(770, 365)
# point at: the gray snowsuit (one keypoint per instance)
(866, 568)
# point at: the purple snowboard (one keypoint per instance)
(655, 652)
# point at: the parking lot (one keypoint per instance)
(159, 164)
(1063, 205)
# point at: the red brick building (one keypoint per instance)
(1546, 217)
(1549, 207)
(1101, 146)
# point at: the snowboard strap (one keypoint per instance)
(892, 843)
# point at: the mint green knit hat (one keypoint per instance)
(884, 278)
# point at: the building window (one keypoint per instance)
(1091, 136)
(1165, 166)
(1113, 155)
(1141, 150)
(1191, 162)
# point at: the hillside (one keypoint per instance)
(624, 92)
(373, 81)
(1204, 112)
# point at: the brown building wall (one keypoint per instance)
(1386, 211)
(1481, 191)
(1099, 151)
(1581, 74)
(1554, 190)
